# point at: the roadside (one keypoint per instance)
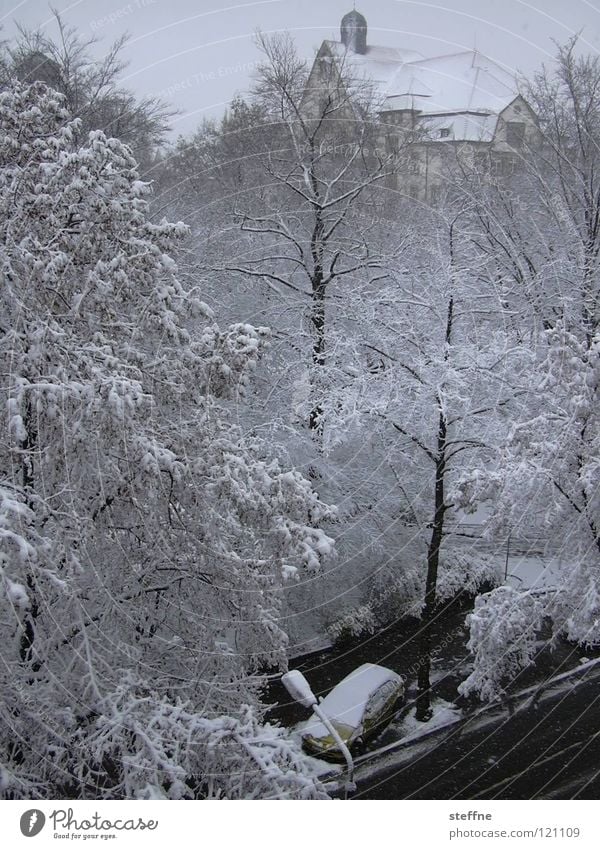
(541, 742)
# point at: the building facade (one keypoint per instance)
(461, 107)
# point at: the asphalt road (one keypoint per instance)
(543, 743)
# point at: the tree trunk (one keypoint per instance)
(318, 353)
(423, 706)
(317, 310)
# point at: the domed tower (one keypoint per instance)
(354, 32)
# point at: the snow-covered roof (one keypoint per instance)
(467, 85)
(462, 82)
(378, 64)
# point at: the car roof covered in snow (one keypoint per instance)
(346, 703)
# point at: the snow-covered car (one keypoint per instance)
(359, 708)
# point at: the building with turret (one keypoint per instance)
(457, 105)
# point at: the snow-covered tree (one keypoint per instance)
(283, 247)
(444, 386)
(306, 243)
(91, 87)
(144, 541)
(542, 236)
(503, 629)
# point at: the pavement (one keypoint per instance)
(540, 743)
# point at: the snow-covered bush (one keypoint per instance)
(548, 478)
(465, 572)
(503, 629)
(575, 609)
(356, 623)
(144, 541)
(399, 591)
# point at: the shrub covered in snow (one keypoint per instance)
(575, 609)
(467, 573)
(399, 592)
(356, 623)
(503, 629)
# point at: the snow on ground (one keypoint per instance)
(527, 568)
(529, 571)
(534, 572)
(444, 713)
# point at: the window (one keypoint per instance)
(515, 133)
(412, 164)
(481, 161)
(392, 143)
(503, 165)
(444, 132)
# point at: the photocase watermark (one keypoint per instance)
(416, 666)
(118, 14)
(66, 826)
(32, 822)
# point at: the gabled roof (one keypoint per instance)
(378, 65)
(462, 83)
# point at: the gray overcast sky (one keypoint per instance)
(197, 53)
